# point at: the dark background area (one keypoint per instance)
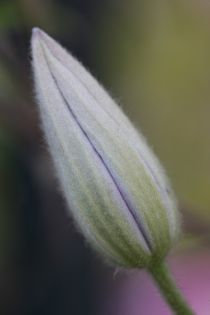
(153, 56)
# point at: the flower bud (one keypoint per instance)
(114, 185)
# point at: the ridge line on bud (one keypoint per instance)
(136, 220)
(138, 223)
(121, 186)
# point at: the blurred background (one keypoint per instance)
(153, 57)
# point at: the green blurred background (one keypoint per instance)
(153, 56)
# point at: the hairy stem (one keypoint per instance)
(170, 292)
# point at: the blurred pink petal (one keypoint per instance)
(136, 294)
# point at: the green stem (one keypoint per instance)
(163, 279)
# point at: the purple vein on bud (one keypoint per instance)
(149, 167)
(126, 201)
(92, 142)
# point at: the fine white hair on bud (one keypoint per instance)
(114, 185)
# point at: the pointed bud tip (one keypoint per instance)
(37, 33)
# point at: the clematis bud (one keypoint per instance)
(113, 183)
